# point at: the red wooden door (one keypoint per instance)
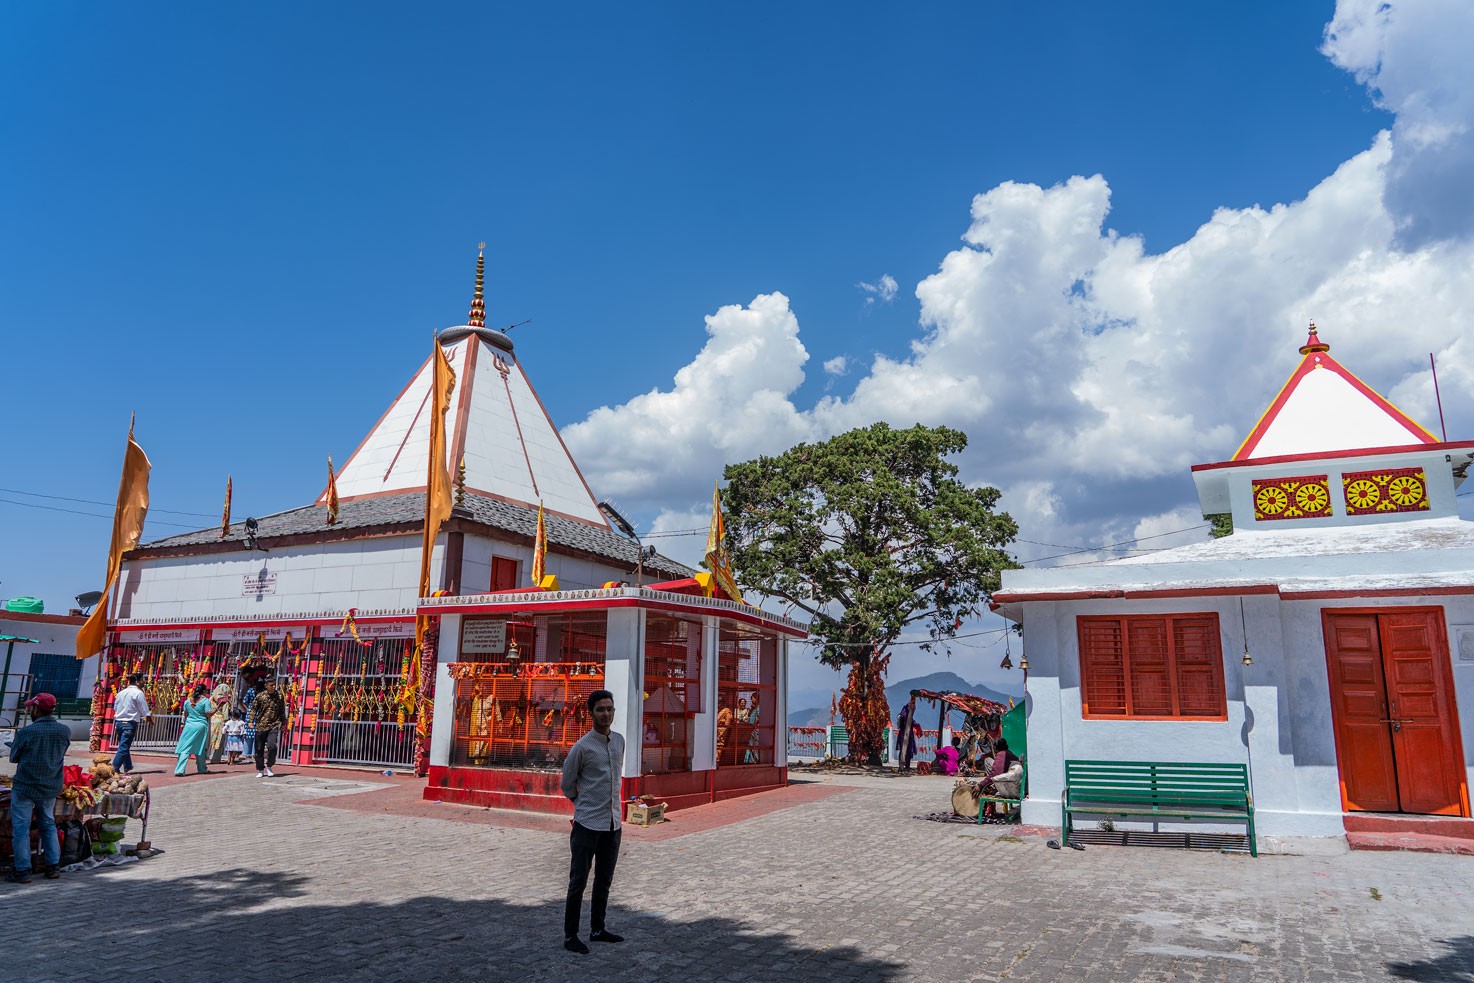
(1421, 707)
(1359, 709)
(1397, 732)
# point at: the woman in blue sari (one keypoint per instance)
(194, 739)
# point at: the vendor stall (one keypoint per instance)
(91, 816)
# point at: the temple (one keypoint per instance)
(324, 598)
(1327, 644)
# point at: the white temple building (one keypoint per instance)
(327, 604)
(1327, 644)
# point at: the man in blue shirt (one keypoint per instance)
(38, 752)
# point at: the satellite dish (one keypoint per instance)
(87, 600)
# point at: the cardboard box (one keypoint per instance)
(642, 815)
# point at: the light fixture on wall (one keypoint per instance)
(1244, 627)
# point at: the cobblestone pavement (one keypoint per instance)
(260, 882)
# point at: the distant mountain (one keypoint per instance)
(899, 692)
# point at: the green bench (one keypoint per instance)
(1158, 790)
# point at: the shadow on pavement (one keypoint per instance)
(1454, 965)
(251, 925)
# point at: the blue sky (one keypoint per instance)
(244, 222)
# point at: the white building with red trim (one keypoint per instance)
(327, 604)
(1327, 644)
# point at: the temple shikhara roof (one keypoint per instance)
(1324, 407)
(497, 428)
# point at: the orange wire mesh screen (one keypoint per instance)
(1156, 667)
(672, 692)
(747, 690)
(524, 705)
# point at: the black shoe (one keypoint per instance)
(18, 877)
(52, 872)
(573, 944)
(604, 935)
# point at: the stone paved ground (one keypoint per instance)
(262, 881)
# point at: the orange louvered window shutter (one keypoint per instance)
(1103, 666)
(1198, 659)
(1152, 666)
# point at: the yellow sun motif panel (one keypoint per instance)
(1397, 490)
(1304, 497)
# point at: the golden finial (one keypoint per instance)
(477, 317)
(1313, 343)
(461, 483)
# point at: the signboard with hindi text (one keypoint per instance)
(298, 632)
(483, 636)
(258, 584)
(156, 636)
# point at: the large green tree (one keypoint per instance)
(870, 533)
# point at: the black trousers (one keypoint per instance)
(266, 748)
(601, 849)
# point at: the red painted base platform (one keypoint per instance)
(539, 791)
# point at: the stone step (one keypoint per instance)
(1412, 842)
(1404, 824)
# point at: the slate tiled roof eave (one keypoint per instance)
(403, 514)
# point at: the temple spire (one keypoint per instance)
(1313, 343)
(477, 318)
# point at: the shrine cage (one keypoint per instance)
(697, 683)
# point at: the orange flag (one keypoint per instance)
(539, 548)
(127, 529)
(437, 479)
(225, 516)
(332, 493)
(716, 549)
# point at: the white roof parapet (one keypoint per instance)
(610, 594)
(219, 619)
(1432, 553)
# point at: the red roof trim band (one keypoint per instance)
(1001, 598)
(1453, 445)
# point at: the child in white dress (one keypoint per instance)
(235, 737)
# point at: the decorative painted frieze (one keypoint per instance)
(1303, 497)
(1388, 490)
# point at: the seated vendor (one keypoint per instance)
(1004, 772)
(946, 762)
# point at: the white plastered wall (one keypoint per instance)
(368, 574)
(442, 729)
(624, 676)
(1442, 500)
(1279, 709)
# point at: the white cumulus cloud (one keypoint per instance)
(883, 290)
(1417, 58)
(1089, 373)
(838, 365)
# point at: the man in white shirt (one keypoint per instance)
(591, 778)
(130, 711)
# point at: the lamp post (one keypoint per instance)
(624, 526)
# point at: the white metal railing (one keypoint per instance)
(159, 734)
(364, 742)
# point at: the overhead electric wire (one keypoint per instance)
(55, 508)
(1124, 542)
(89, 501)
